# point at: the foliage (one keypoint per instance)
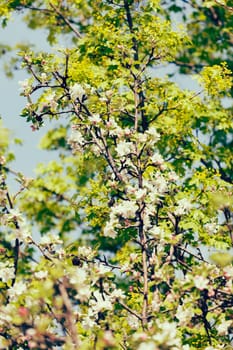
(123, 220)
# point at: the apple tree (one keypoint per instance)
(123, 240)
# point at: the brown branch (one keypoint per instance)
(70, 319)
(143, 241)
(17, 243)
(192, 254)
(129, 310)
(41, 250)
(226, 7)
(76, 32)
(137, 84)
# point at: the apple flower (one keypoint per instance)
(7, 272)
(184, 206)
(44, 78)
(109, 230)
(95, 119)
(183, 314)
(201, 282)
(50, 238)
(50, 101)
(126, 209)
(18, 289)
(86, 252)
(77, 92)
(223, 327)
(167, 334)
(154, 135)
(133, 321)
(117, 294)
(124, 148)
(147, 346)
(25, 86)
(41, 274)
(101, 303)
(157, 159)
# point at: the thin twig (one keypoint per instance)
(76, 32)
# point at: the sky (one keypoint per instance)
(28, 155)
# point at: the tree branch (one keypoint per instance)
(74, 30)
(69, 314)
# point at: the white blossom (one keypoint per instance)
(95, 119)
(184, 206)
(50, 100)
(152, 132)
(157, 159)
(117, 294)
(155, 304)
(2, 160)
(147, 346)
(167, 334)
(211, 227)
(140, 336)
(113, 128)
(23, 233)
(127, 132)
(102, 270)
(222, 328)
(137, 193)
(172, 176)
(101, 303)
(18, 289)
(44, 78)
(124, 148)
(142, 137)
(50, 238)
(133, 321)
(126, 209)
(41, 274)
(133, 257)
(77, 91)
(109, 230)
(85, 251)
(156, 187)
(96, 149)
(76, 137)
(200, 282)
(78, 276)
(228, 271)
(184, 314)
(140, 194)
(84, 292)
(125, 267)
(25, 85)
(89, 319)
(157, 232)
(7, 272)
(88, 323)
(6, 312)
(14, 214)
